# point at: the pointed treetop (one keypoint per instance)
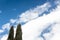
(11, 34)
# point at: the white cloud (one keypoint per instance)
(6, 26)
(54, 34)
(4, 37)
(57, 2)
(1, 30)
(33, 29)
(12, 21)
(14, 32)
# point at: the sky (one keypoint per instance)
(36, 13)
(12, 8)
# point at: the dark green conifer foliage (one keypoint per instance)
(18, 33)
(11, 34)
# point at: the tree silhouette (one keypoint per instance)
(11, 34)
(18, 33)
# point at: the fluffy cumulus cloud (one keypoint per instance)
(33, 29)
(4, 37)
(35, 24)
(12, 21)
(6, 26)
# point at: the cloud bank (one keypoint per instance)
(33, 29)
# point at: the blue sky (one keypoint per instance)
(12, 8)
